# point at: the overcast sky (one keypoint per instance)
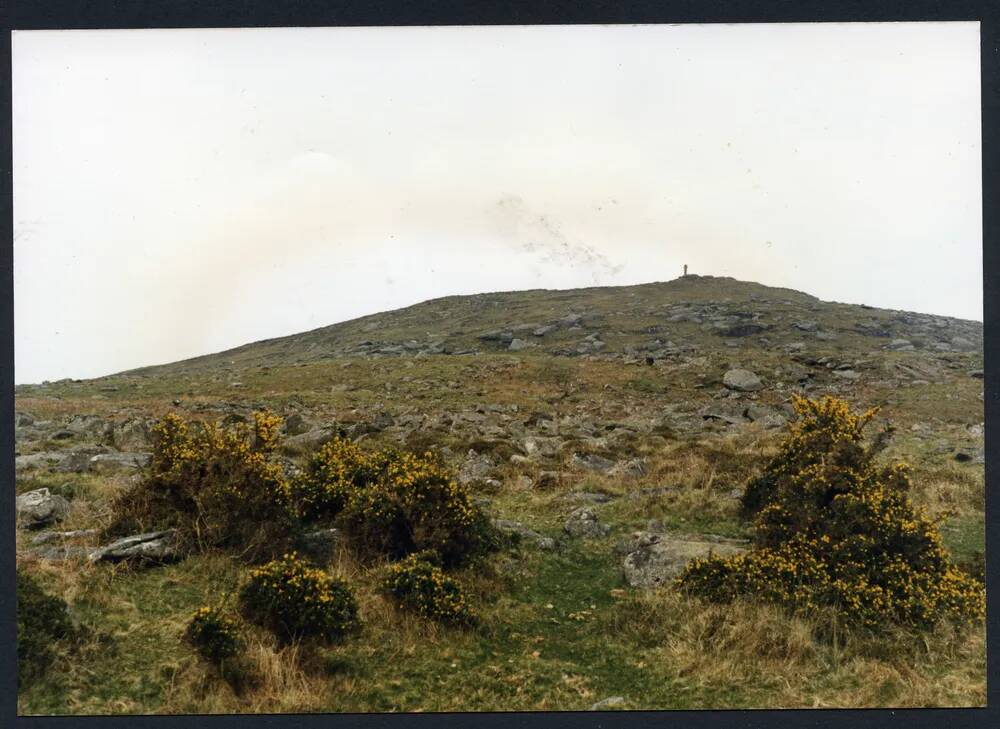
(181, 192)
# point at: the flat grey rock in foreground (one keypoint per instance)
(156, 546)
(110, 462)
(660, 559)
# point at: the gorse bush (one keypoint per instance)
(219, 486)
(215, 636)
(834, 528)
(418, 584)
(332, 475)
(394, 504)
(294, 600)
(42, 621)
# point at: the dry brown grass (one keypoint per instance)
(773, 660)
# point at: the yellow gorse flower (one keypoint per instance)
(835, 528)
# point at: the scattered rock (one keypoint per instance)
(152, 546)
(608, 703)
(296, 424)
(663, 559)
(516, 527)
(89, 425)
(47, 537)
(742, 381)
(637, 540)
(516, 345)
(976, 374)
(38, 508)
(773, 421)
(110, 462)
(587, 497)
(632, 468)
(583, 522)
(503, 337)
(967, 456)
(132, 434)
(743, 330)
(312, 439)
(592, 462)
(724, 411)
(61, 552)
(477, 468)
(847, 374)
(320, 543)
(900, 345)
(544, 447)
(49, 459)
(523, 482)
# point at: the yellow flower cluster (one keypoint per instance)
(834, 528)
(294, 599)
(215, 636)
(391, 502)
(218, 485)
(418, 585)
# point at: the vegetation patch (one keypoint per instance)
(835, 528)
(42, 622)
(419, 585)
(215, 636)
(394, 504)
(294, 600)
(218, 486)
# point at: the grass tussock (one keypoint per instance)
(754, 654)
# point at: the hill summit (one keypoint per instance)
(658, 320)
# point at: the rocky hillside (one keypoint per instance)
(590, 364)
(659, 320)
(612, 428)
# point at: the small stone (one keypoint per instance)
(476, 469)
(295, 424)
(516, 527)
(516, 345)
(847, 374)
(588, 497)
(592, 462)
(608, 703)
(47, 537)
(742, 380)
(583, 522)
(40, 507)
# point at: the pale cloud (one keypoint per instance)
(179, 192)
